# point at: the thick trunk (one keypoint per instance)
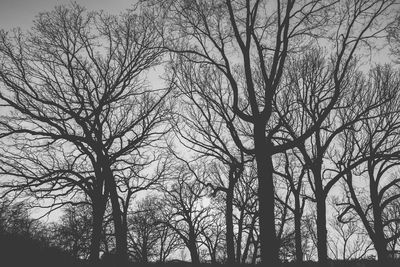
(268, 243)
(194, 255)
(120, 231)
(192, 246)
(321, 231)
(230, 245)
(381, 251)
(145, 256)
(297, 230)
(320, 197)
(379, 242)
(97, 227)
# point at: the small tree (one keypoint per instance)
(149, 239)
(184, 210)
(349, 240)
(72, 233)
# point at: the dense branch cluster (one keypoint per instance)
(272, 135)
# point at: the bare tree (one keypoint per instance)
(15, 217)
(293, 171)
(249, 42)
(393, 228)
(213, 235)
(143, 236)
(349, 240)
(73, 232)
(309, 243)
(375, 140)
(149, 238)
(204, 127)
(169, 242)
(314, 79)
(246, 215)
(75, 92)
(184, 209)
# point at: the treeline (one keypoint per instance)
(239, 131)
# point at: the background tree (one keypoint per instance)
(213, 235)
(149, 239)
(375, 140)
(142, 230)
(293, 171)
(349, 240)
(246, 216)
(184, 210)
(204, 126)
(72, 233)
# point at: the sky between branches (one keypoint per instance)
(20, 13)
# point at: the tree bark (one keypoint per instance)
(268, 241)
(98, 210)
(230, 245)
(120, 233)
(381, 250)
(297, 229)
(321, 231)
(379, 242)
(250, 239)
(194, 254)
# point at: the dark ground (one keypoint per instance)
(18, 251)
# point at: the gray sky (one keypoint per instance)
(20, 13)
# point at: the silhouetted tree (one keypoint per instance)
(149, 239)
(349, 240)
(246, 214)
(375, 140)
(142, 230)
(14, 217)
(79, 107)
(293, 171)
(204, 126)
(72, 232)
(213, 234)
(184, 209)
(249, 42)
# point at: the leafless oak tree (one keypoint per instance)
(75, 93)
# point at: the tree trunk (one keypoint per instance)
(230, 245)
(239, 236)
(98, 211)
(194, 255)
(247, 247)
(268, 243)
(297, 230)
(381, 251)
(380, 242)
(255, 252)
(321, 231)
(120, 231)
(213, 256)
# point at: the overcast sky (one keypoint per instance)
(20, 13)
